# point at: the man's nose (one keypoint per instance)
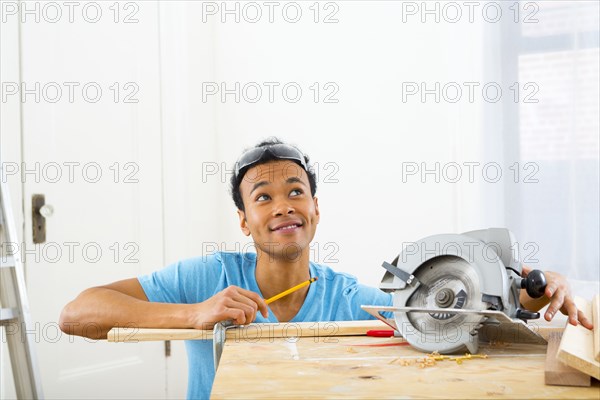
(283, 207)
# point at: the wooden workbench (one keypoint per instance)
(342, 366)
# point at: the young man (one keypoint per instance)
(274, 190)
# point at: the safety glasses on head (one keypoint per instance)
(280, 151)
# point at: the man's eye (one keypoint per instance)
(260, 197)
(297, 190)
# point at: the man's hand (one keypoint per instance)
(233, 303)
(558, 294)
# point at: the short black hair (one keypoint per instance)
(266, 157)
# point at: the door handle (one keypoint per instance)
(39, 212)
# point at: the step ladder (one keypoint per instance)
(14, 313)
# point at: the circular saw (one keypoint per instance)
(449, 291)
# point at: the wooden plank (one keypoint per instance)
(596, 321)
(250, 332)
(343, 367)
(270, 330)
(558, 373)
(133, 335)
(577, 344)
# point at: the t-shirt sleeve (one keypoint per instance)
(188, 281)
(163, 286)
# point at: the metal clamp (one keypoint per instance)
(219, 336)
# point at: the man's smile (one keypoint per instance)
(287, 226)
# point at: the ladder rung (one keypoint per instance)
(26, 376)
(7, 261)
(7, 315)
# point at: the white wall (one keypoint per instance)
(366, 135)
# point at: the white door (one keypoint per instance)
(92, 147)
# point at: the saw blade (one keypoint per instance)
(446, 282)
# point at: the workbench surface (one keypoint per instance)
(342, 366)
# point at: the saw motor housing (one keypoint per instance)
(448, 273)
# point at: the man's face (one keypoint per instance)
(280, 212)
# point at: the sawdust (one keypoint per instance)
(403, 361)
(432, 359)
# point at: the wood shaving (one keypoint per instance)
(432, 359)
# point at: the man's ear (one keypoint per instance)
(243, 222)
(317, 212)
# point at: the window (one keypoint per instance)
(556, 61)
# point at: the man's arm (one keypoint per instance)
(558, 294)
(97, 310)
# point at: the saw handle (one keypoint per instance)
(535, 284)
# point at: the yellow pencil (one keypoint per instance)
(291, 290)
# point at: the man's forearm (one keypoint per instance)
(97, 310)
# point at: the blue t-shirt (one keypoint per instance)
(334, 297)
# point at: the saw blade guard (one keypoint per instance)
(450, 272)
(446, 282)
